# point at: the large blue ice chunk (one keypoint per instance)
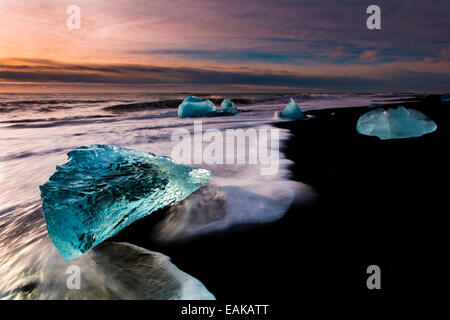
(395, 123)
(192, 107)
(229, 106)
(102, 189)
(293, 111)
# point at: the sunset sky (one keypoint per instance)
(212, 45)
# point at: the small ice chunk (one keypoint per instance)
(102, 189)
(229, 106)
(375, 105)
(193, 107)
(293, 111)
(395, 123)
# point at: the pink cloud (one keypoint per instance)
(337, 53)
(369, 56)
(445, 54)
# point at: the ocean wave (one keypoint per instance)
(222, 205)
(237, 195)
(47, 102)
(50, 123)
(32, 154)
(133, 107)
(163, 104)
(56, 119)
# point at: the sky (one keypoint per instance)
(224, 46)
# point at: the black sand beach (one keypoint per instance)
(379, 202)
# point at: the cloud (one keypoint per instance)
(47, 71)
(445, 54)
(280, 32)
(391, 76)
(336, 53)
(370, 56)
(236, 55)
(230, 43)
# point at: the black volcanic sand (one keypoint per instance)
(381, 202)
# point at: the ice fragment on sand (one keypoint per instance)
(229, 106)
(193, 107)
(102, 189)
(293, 111)
(395, 123)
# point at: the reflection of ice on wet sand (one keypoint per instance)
(33, 269)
